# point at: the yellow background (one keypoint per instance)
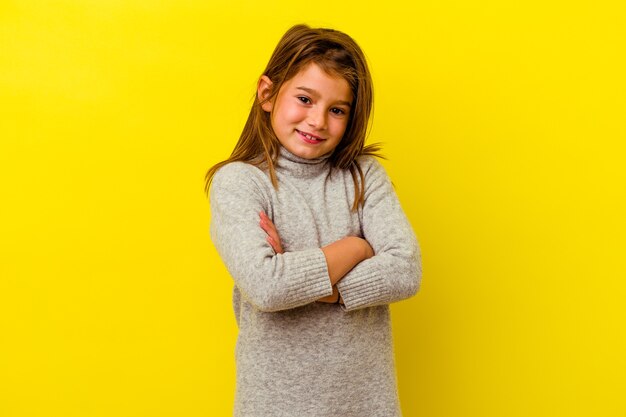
(504, 125)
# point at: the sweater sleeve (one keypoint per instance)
(394, 272)
(269, 281)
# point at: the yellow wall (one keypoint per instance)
(504, 125)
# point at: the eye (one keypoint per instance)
(304, 99)
(337, 111)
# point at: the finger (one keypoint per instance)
(263, 222)
(267, 222)
(275, 245)
(271, 231)
(273, 238)
(269, 228)
(269, 240)
(264, 226)
(264, 216)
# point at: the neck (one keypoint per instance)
(297, 166)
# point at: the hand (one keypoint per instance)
(272, 234)
(333, 298)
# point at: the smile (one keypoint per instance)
(309, 138)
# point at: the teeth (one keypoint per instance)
(309, 136)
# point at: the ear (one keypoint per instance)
(263, 91)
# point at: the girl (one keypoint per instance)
(311, 230)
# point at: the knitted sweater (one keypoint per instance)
(296, 357)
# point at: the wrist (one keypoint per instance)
(368, 252)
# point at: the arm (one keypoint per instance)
(394, 272)
(341, 256)
(270, 281)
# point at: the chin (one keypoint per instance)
(304, 152)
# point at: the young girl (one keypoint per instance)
(311, 230)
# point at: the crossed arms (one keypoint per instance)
(341, 256)
(380, 268)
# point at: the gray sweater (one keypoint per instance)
(296, 357)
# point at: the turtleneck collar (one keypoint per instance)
(296, 166)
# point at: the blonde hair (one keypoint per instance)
(337, 54)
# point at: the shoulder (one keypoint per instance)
(377, 185)
(236, 169)
(240, 181)
(372, 169)
(238, 173)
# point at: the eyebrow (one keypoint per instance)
(314, 92)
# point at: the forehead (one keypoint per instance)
(312, 77)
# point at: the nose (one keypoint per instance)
(316, 118)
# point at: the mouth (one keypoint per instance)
(309, 138)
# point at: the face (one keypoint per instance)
(311, 111)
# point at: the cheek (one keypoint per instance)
(289, 113)
(338, 127)
(284, 118)
(294, 114)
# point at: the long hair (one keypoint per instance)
(337, 54)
